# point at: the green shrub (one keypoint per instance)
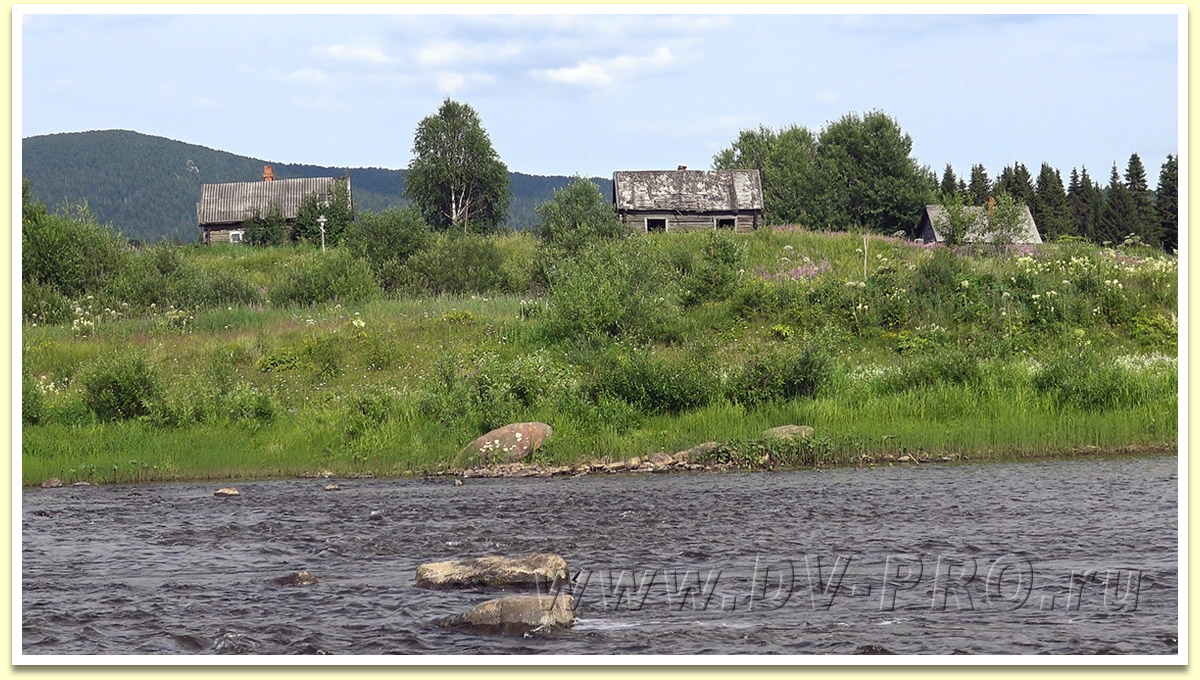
(458, 263)
(190, 286)
(33, 401)
(944, 367)
(609, 291)
(43, 304)
(1082, 380)
(285, 359)
(782, 373)
(333, 275)
(248, 403)
(721, 263)
(121, 386)
(68, 250)
(578, 216)
(654, 383)
(387, 240)
(1154, 331)
(326, 354)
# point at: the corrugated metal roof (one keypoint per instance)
(1028, 233)
(238, 201)
(688, 190)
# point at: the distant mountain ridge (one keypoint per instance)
(146, 187)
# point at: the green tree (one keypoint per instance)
(1050, 208)
(1119, 214)
(267, 230)
(455, 177)
(578, 215)
(1086, 201)
(336, 209)
(786, 161)
(979, 189)
(1015, 181)
(949, 183)
(958, 220)
(868, 176)
(1146, 223)
(1167, 203)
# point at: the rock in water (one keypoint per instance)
(299, 578)
(516, 615)
(227, 492)
(788, 432)
(508, 444)
(526, 571)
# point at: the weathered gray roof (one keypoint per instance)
(688, 190)
(238, 201)
(1028, 230)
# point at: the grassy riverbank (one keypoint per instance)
(631, 347)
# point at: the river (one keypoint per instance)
(1054, 557)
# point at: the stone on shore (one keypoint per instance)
(52, 483)
(659, 459)
(525, 571)
(227, 492)
(508, 444)
(685, 456)
(516, 615)
(788, 432)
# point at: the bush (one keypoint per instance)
(192, 287)
(387, 240)
(121, 386)
(780, 374)
(458, 263)
(654, 383)
(613, 291)
(33, 401)
(42, 304)
(949, 367)
(324, 277)
(722, 257)
(578, 216)
(68, 250)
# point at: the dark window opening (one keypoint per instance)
(656, 224)
(726, 222)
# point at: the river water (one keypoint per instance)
(1059, 557)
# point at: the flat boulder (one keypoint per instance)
(508, 444)
(698, 451)
(788, 432)
(299, 578)
(516, 615)
(526, 572)
(52, 483)
(227, 492)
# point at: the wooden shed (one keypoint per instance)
(673, 200)
(935, 215)
(224, 208)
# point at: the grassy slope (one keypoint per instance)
(387, 352)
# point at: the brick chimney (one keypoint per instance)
(682, 167)
(268, 174)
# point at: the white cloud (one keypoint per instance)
(364, 54)
(447, 53)
(827, 97)
(600, 73)
(451, 81)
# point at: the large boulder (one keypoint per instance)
(508, 444)
(789, 432)
(516, 615)
(523, 572)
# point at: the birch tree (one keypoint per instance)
(455, 177)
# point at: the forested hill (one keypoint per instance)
(146, 187)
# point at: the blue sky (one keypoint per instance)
(562, 92)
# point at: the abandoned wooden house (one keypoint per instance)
(224, 208)
(682, 199)
(934, 217)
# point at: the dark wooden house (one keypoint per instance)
(935, 215)
(673, 200)
(224, 208)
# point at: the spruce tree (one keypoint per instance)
(1167, 204)
(1146, 223)
(1086, 201)
(1120, 211)
(1050, 209)
(980, 187)
(949, 181)
(1015, 181)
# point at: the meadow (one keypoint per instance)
(189, 362)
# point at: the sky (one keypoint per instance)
(588, 90)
